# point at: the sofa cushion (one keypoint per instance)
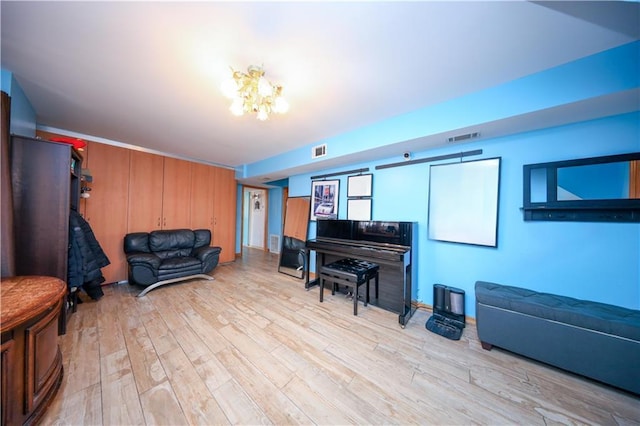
(171, 241)
(136, 242)
(202, 238)
(596, 316)
(179, 263)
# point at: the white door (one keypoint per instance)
(257, 216)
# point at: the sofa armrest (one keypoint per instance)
(201, 253)
(208, 256)
(148, 259)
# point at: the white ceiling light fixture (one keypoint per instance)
(251, 92)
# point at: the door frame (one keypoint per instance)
(246, 188)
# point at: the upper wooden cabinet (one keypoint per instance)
(159, 192)
(146, 177)
(106, 207)
(202, 196)
(176, 196)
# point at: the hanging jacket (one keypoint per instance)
(86, 257)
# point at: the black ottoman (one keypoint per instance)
(351, 273)
(597, 340)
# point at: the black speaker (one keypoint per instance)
(456, 297)
(448, 318)
(438, 296)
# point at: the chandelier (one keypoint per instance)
(251, 92)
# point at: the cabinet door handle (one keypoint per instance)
(158, 222)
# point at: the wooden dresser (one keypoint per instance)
(31, 358)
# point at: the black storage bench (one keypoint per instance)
(351, 273)
(596, 340)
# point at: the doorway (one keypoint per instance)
(254, 217)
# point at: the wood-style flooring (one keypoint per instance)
(254, 347)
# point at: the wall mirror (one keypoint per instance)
(597, 189)
(294, 237)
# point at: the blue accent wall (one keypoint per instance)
(5, 81)
(239, 213)
(275, 213)
(23, 116)
(594, 261)
(612, 71)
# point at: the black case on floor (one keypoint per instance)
(448, 312)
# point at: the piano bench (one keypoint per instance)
(351, 273)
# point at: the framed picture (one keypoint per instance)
(359, 185)
(359, 209)
(324, 194)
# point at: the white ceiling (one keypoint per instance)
(148, 74)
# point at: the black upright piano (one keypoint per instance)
(389, 244)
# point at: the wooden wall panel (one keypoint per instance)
(106, 208)
(202, 196)
(176, 195)
(146, 173)
(224, 226)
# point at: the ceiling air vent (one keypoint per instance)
(465, 137)
(319, 151)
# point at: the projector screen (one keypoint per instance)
(463, 202)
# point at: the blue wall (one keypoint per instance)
(23, 116)
(613, 71)
(239, 214)
(595, 261)
(275, 212)
(5, 81)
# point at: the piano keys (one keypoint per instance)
(389, 244)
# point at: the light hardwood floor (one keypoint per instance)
(253, 347)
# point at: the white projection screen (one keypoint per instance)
(463, 202)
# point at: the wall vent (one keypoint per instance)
(464, 137)
(274, 243)
(319, 151)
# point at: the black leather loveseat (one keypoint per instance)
(167, 256)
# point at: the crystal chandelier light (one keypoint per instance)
(252, 92)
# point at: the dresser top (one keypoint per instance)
(25, 297)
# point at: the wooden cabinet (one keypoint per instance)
(202, 196)
(106, 207)
(176, 195)
(146, 173)
(45, 181)
(159, 193)
(213, 206)
(31, 358)
(224, 209)
(131, 191)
